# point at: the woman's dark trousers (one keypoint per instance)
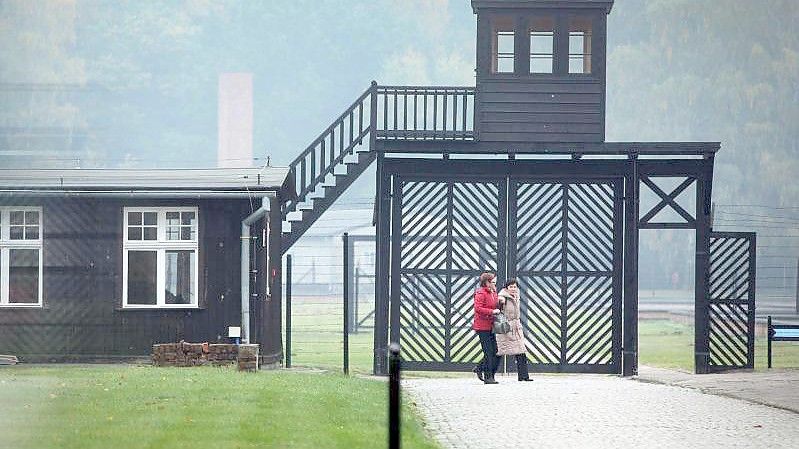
(521, 366)
(490, 362)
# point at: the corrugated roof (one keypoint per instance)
(267, 178)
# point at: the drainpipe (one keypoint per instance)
(245, 265)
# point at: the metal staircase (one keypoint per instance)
(335, 159)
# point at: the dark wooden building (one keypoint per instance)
(102, 264)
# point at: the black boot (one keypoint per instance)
(489, 379)
(479, 372)
(521, 368)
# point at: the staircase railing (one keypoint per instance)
(425, 113)
(328, 150)
(381, 113)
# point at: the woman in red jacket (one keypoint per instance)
(485, 307)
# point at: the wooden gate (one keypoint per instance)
(563, 242)
(731, 301)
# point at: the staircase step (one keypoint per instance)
(308, 205)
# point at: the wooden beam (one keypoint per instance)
(600, 148)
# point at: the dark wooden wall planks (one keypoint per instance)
(82, 317)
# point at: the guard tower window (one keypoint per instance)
(503, 45)
(542, 38)
(580, 45)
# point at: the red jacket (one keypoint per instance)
(485, 301)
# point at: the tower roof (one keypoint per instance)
(606, 5)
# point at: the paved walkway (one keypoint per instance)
(576, 411)
(777, 387)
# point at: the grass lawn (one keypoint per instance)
(103, 406)
(666, 344)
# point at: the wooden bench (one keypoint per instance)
(781, 332)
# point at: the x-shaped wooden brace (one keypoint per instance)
(668, 200)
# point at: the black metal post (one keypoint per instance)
(288, 311)
(346, 251)
(394, 396)
(768, 335)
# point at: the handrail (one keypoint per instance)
(390, 113)
(338, 140)
(425, 113)
(333, 125)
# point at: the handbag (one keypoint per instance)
(501, 324)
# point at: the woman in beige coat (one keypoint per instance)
(512, 343)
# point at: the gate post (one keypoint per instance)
(630, 335)
(701, 301)
(382, 245)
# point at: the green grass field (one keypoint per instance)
(106, 406)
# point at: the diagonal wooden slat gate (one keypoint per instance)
(731, 301)
(563, 242)
(566, 240)
(445, 234)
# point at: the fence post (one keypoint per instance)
(797, 286)
(355, 289)
(394, 396)
(288, 311)
(346, 250)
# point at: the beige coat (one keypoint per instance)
(512, 342)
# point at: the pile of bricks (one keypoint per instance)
(219, 354)
(179, 354)
(248, 358)
(195, 354)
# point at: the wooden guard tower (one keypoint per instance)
(541, 70)
(514, 175)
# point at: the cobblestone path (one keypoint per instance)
(592, 411)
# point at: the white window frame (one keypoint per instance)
(6, 245)
(161, 245)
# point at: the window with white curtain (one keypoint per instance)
(20, 256)
(160, 257)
